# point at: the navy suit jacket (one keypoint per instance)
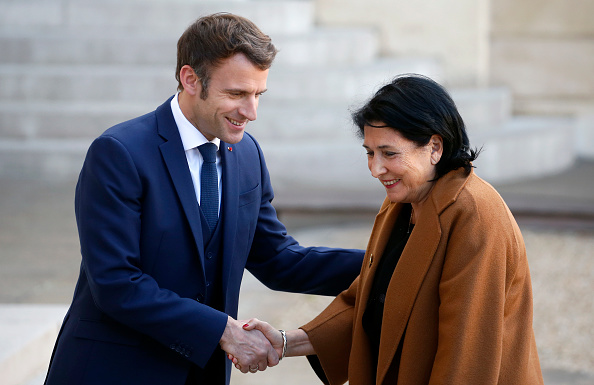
(136, 315)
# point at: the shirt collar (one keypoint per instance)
(191, 137)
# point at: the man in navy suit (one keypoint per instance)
(157, 295)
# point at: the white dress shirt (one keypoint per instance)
(192, 138)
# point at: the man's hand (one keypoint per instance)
(273, 335)
(250, 349)
(294, 343)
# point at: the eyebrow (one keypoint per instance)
(382, 147)
(241, 91)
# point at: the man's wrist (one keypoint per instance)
(227, 335)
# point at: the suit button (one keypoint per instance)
(207, 284)
(200, 298)
(209, 255)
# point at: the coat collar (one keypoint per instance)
(413, 265)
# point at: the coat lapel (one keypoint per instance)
(411, 270)
(173, 154)
(402, 292)
(384, 222)
(382, 227)
(413, 266)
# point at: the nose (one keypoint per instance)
(376, 166)
(249, 108)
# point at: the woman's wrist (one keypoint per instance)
(298, 344)
(284, 348)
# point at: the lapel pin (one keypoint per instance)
(229, 148)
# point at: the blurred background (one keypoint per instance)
(521, 73)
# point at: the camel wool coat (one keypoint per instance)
(460, 296)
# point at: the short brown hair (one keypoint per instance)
(216, 37)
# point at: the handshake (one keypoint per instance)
(255, 345)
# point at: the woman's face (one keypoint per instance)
(403, 168)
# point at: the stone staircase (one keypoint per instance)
(69, 69)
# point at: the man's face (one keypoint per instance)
(233, 92)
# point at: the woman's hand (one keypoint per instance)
(273, 335)
(250, 350)
(297, 341)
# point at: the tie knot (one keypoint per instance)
(209, 152)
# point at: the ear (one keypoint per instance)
(190, 81)
(436, 145)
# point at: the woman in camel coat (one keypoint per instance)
(444, 295)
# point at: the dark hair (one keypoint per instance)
(418, 107)
(216, 37)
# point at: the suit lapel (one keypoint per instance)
(173, 154)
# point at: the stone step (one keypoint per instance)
(585, 135)
(150, 16)
(526, 147)
(321, 174)
(335, 174)
(327, 46)
(320, 46)
(27, 83)
(45, 159)
(348, 83)
(519, 149)
(482, 110)
(155, 83)
(28, 120)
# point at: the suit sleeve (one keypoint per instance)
(279, 262)
(108, 212)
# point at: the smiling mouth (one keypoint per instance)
(390, 182)
(236, 123)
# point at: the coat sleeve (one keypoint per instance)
(331, 334)
(108, 213)
(479, 287)
(280, 263)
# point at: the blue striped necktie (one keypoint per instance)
(209, 185)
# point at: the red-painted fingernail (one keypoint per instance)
(246, 325)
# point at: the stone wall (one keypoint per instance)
(455, 32)
(544, 51)
(541, 50)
